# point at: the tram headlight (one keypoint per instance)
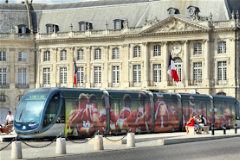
(23, 127)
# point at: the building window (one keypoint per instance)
(197, 48)
(22, 29)
(172, 11)
(80, 75)
(22, 57)
(222, 71)
(156, 50)
(63, 75)
(22, 76)
(3, 76)
(137, 51)
(178, 65)
(84, 26)
(97, 75)
(197, 72)
(222, 47)
(97, 54)
(46, 56)
(2, 97)
(137, 73)
(118, 24)
(63, 55)
(46, 75)
(115, 74)
(115, 53)
(80, 54)
(157, 72)
(50, 28)
(2, 56)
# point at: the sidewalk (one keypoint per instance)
(144, 140)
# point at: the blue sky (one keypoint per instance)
(44, 1)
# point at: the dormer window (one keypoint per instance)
(172, 11)
(193, 10)
(84, 26)
(118, 24)
(22, 29)
(50, 28)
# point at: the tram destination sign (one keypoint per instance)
(36, 96)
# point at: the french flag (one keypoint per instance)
(75, 74)
(172, 70)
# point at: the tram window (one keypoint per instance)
(52, 110)
(238, 111)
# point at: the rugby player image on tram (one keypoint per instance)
(162, 118)
(125, 112)
(75, 119)
(136, 121)
(103, 115)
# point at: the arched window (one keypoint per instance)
(63, 55)
(97, 54)
(115, 53)
(80, 54)
(46, 56)
(221, 93)
(137, 51)
(178, 65)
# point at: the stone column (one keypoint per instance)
(39, 70)
(105, 55)
(165, 65)
(70, 56)
(206, 68)
(54, 74)
(125, 69)
(145, 75)
(186, 64)
(88, 69)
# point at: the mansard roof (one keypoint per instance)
(100, 12)
(12, 15)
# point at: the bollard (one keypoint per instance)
(224, 129)
(212, 129)
(130, 140)
(98, 143)
(16, 150)
(162, 142)
(61, 146)
(235, 128)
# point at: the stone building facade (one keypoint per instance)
(125, 45)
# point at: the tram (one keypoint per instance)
(75, 112)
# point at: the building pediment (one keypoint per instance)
(175, 24)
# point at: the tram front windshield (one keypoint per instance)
(30, 108)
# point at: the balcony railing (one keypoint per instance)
(96, 85)
(135, 84)
(221, 82)
(4, 85)
(194, 83)
(61, 85)
(22, 86)
(113, 84)
(81, 85)
(153, 83)
(45, 85)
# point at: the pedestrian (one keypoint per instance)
(9, 119)
(190, 123)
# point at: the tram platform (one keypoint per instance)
(141, 140)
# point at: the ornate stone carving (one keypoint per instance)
(175, 26)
